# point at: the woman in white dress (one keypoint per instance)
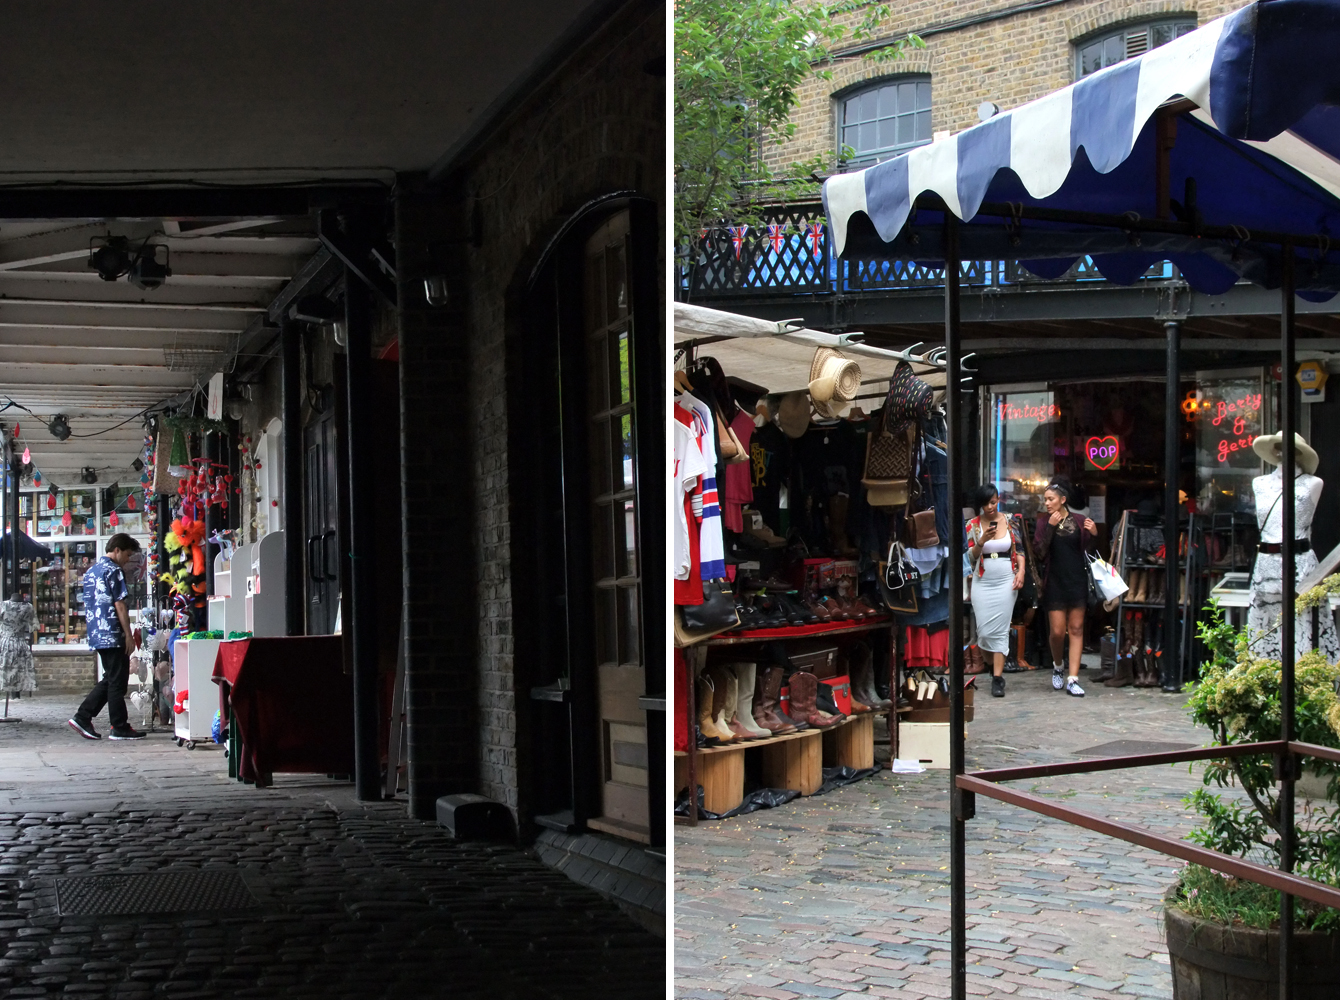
(1263, 615)
(997, 574)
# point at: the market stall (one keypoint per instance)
(1213, 152)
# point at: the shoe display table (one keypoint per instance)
(720, 772)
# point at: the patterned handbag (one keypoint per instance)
(888, 457)
(909, 399)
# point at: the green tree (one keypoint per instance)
(738, 66)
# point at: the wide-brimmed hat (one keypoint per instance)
(1271, 446)
(793, 414)
(834, 382)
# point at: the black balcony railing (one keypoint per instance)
(788, 254)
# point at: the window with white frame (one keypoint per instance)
(1127, 42)
(885, 119)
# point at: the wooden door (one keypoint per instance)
(615, 559)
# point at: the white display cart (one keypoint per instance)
(193, 668)
(265, 591)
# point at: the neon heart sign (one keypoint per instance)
(1102, 452)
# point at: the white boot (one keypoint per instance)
(745, 674)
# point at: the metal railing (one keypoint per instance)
(789, 254)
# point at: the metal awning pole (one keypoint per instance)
(959, 801)
(1171, 681)
(1287, 589)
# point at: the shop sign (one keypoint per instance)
(1232, 421)
(1044, 413)
(1102, 453)
(1311, 376)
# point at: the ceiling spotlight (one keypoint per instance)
(59, 427)
(112, 258)
(146, 271)
(89, 474)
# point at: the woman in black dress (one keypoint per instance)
(1060, 540)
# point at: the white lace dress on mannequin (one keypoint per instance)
(1267, 573)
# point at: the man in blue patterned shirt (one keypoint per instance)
(105, 594)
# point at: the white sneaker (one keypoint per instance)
(1072, 687)
(1058, 676)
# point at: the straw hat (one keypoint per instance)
(834, 382)
(1269, 447)
(793, 414)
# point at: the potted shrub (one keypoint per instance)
(1222, 932)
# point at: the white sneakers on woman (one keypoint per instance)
(1060, 680)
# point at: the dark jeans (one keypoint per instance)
(110, 691)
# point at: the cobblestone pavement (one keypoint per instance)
(353, 900)
(846, 895)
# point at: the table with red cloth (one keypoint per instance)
(292, 704)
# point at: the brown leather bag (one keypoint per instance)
(919, 529)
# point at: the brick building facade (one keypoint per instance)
(976, 51)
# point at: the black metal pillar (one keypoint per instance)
(960, 802)
(290, 342)
(1171, 680)
(1288, 582)
(362, 616)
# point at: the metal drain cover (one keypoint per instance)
(157, 892)
(1131, 748)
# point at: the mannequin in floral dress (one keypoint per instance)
(17, 621)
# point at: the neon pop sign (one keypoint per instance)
(1103, 453)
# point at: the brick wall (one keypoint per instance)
(595, 127)
(1010, 61)
(64, 672)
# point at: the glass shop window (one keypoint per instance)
(1127, 43)
(886, 119)
(1020, 456)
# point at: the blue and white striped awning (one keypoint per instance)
(1262, 145)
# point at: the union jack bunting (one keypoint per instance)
(816, 238)
(737, 234)
(777, 237)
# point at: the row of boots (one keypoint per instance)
(1140, 659)
(1147, 586)
(742, 701)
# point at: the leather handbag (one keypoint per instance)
(717, 612)
(919, 529)
(909, 399)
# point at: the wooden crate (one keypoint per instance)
(851, 744)
(794, 761)
(720, 772)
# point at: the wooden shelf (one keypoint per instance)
(801, 632)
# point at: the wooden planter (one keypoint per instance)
(1212, 961)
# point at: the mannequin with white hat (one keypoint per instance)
(1267, 573)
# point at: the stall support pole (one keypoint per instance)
(1171, 681)
(362, 541)
(290, 343)
(1285, 763)
(14, 469)
(212, 514)
(960, 800)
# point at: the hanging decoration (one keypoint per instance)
(113, 520)
(27, 456)
(66, 519)
(51, 501)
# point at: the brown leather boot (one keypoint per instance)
(804, 696)
(767, 688)
(1020, 640)
(719, 677)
